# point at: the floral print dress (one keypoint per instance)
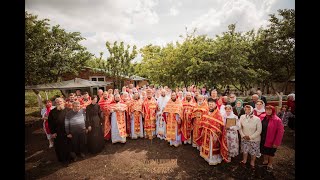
(232, 136)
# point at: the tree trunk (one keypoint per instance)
(46, 95)
(63, 93)
(263, 87)
(38, 98)
(114, 84)
(236, 87)
(285, 86)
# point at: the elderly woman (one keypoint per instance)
(250, 130)
(291, 103)
(259, 110)
(238, 108)
(232, 133)
(271, 136)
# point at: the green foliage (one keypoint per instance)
(31, 98)
(232, 58)
(51, 52)
(118, 65)
(274, 48)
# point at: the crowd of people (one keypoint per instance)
(219, 127)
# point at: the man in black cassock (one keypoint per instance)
(56, 123)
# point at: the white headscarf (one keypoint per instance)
(293, 96)
(232, 115)
(262, 109)
(250, 114)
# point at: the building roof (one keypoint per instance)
(137, 78)
(70, 84)
(105, 71)
(133, 77)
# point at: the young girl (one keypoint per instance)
(45, 113)
(232, 133)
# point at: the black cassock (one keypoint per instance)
(94, 118)
(62, 143)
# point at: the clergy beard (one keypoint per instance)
(188, 99)
(174, 100)
(199, 103)
(60, 107)
(116, 101)
(211, 110)
(105, 98)
(149, 98)
(163, 95)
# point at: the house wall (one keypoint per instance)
(142, 83)
(86, 73)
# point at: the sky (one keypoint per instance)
(157, 22)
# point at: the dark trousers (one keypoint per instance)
(62, 147)
(78, 141)
(291, 123)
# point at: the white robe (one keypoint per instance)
(139, 134)
(213, 159)
(115, 136)
(160, 123)
(178, 141)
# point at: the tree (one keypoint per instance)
(233, 58)
(118, 65)
(49, 53)
(274, 48)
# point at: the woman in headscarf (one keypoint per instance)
(250, 130)
(259, 109)
(238, 108)
(271, 136)
(232, 132)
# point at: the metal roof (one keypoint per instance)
(133, 77)
(70, 84)
(137, 78)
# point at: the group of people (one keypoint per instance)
(219, 127)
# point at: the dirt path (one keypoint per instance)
(139, 159)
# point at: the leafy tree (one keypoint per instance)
(118, 65)
(51, 52)
(274, 48)
(241, 59)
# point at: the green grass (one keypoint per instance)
(32, 111)
(31, 98)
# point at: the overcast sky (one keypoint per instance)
(142, 22)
